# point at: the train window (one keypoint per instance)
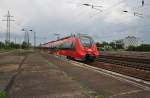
(86, 41)
(67, 45)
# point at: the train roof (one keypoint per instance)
(66, 38)
(58, 40)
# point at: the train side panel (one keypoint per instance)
(74, 47)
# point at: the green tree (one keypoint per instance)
(24, 45)
(143, 47)
(2, 45)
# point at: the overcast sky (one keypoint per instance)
(47, 17)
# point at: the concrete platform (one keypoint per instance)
(40, 78)
(8, 67)
(47, 76)
(103, 84)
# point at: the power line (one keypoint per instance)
(81, 3)
(135, 13)
(105, 11)
(139, 7)
(112, 6)
(8, 20)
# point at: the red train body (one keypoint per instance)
(81, 47)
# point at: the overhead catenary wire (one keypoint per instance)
(137, 27)
(79, 19)
(105, 11)
(134, 13)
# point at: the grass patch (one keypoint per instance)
(4, 50)
(100, 96)
(1, 75)
(3, 94)
(93, 93)
(23, 52)
(141, 82)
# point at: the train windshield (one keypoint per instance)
(86, 41)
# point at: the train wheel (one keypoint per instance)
(69, 57)
(90, 58)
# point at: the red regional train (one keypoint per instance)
(78, 47)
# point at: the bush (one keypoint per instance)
(143, 47)
(3, 94)
(13, 45)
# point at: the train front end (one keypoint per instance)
(89, 49)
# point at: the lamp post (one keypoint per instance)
(26, 36)
(57, 35)
(134, 13)
(86, 4)
(34, 37)
(93, 6)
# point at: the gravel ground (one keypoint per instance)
(42, 79)
(8, 67)
(47, 76)
(104, 85)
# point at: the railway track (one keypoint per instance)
(128, 66)
(144, 55)
(122, 67)
(141, 64)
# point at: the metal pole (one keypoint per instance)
(15, 39)
(57, 35)
(28, 39)
(34, 39)
(8, 20)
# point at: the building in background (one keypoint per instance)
(129, 41)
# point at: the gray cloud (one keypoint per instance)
(47, 17)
